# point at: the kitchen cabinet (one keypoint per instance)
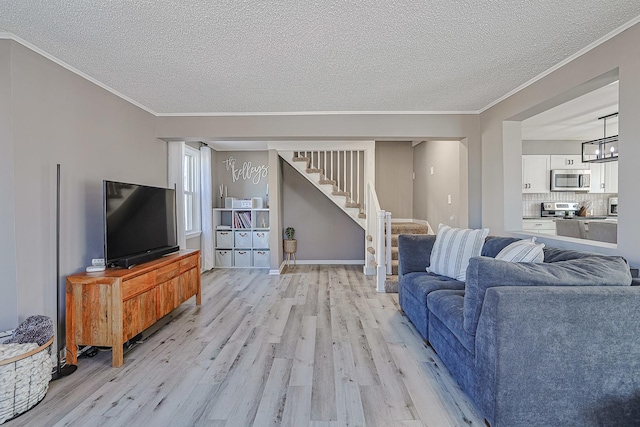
(611, 177)
(604, 177)
(539, 225)
(597, 178)
(568, 161)
(535, 173)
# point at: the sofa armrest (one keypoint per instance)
(414, 252)
(558, 355)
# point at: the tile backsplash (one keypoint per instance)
(531, 201)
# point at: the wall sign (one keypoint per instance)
(247, 171)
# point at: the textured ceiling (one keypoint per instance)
(177, 56)
(576, 119)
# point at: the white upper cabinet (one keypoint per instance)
(604, 177)
(611, 177)
(597, 178)
(535, 174)
(568, 161)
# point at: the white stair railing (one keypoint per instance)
(377, 221)
(347, 171)
(345, 167)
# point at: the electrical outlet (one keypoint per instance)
(449, 198)
(431, 170)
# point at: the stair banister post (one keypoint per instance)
(344, 171)
(380, 239)
(381, 269)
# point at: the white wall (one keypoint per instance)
(59, 117)
(616, 58)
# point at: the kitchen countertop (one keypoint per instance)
(579, 218)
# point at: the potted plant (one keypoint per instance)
(290, 244)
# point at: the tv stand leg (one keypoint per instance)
(118, 355)
(72, 353)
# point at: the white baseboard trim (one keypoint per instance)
(329, 262)
(278, 271)
(401, 219)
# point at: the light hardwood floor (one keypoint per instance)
(316, 346)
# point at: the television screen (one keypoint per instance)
(139, 221)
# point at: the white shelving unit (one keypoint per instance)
(241, 237)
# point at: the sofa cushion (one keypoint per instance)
(522, 251)
(420, 284)
(414, 252)
(555, 254)
(448, 306)
(453, 249)
(494, 244)
(485, 272)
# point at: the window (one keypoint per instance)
(191, 183)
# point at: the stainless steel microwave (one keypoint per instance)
(570, 180)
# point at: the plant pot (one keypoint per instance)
(290, 246)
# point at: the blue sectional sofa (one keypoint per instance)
(549, 344)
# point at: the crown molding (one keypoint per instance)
(74, 70)
(318, 113)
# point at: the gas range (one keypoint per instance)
(559, 209)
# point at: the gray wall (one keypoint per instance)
(8, 289)
(390, 127)
(59, 117)
(394, 177)
(242, 188)
(323, 231)
(501, 147)
(430, 192)
(551, 147)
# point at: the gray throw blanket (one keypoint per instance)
(38, 329)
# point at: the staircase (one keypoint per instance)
(397, 228)
(346, 177)
(338, 174)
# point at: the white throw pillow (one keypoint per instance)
(453, 249)
(522, 251)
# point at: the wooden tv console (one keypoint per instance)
(109, 308)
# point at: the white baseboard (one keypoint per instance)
(278, 271)
(402, 219)
(329, 262)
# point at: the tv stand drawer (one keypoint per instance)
(138, 285)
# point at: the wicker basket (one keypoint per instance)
(24, 381)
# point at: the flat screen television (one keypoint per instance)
(139, 223)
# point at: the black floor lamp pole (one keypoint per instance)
(61, 371)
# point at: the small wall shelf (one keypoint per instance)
(241, 237)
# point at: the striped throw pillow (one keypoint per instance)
(522, 251)
(452, 250)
